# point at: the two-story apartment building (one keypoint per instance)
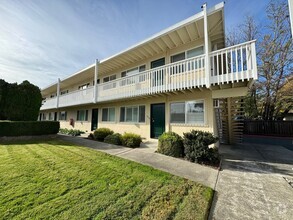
(176, 80)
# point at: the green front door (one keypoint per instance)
(94, 119)
(157, 119)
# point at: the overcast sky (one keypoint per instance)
(42, 40)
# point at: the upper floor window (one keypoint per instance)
(158, 63)
(132, 114)
(194, 52)
(109, 78)
(98, 82)
(191, 112)
(63, 92)
(133, 71)
(84, 86)
(108, 114)
(179, 68)
(82, 115)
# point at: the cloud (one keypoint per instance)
(41, 41)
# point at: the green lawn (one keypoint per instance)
(57, 180)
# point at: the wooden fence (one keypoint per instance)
(270, 128)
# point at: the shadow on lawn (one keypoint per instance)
(35, 140)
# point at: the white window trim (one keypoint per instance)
(204, 124)
(107, 122)
(130, 122)
(185, 51)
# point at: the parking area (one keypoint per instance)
(254, 182)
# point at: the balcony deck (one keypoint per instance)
(228, 65)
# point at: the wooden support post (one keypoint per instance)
(230, 126)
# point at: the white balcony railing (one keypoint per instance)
(49, 103)
(183, 74)
(236, 63)
(228, 65)
(78, 97)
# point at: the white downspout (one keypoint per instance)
(206, 45)
(58, 93)
(95, 81)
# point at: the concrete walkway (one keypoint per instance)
(254, 183)
(146, 155)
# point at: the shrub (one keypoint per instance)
(196, 147)
(171, 144)
(131, 140)
(113, 139)
(91, 136)
(72, 132)
(28, 128)
(101, 133)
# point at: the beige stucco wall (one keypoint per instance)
(144, 128)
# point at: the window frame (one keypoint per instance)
(136, 67)
(138, 114)
(51, 116)
(185, 51)
(84, 86)
(108, 115)
(65, 114)
(185, 112)
(64, 92)
(109, 78)
(85, 116)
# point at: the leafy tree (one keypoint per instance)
(19, 102)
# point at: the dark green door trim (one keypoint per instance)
(95, 112)
(157, 119)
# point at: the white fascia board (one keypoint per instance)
(176, 26)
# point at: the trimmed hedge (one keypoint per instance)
(113, 139)
(28, 128)
(101, 133)
(171, 144)
(131, 140)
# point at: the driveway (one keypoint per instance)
(254, 183)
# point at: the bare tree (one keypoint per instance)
(246, 31)
(274, 57)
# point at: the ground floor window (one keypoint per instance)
(108, 114)
(82, 115)
(62, 116)
(51, 116)
(132, 114)
(191, 112)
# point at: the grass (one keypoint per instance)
(57, 180)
